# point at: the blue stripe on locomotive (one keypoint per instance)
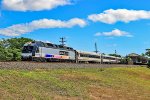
(49, 56)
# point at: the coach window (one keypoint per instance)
(82, 55)
(66, 53)
(96, 57)
(90, 56)
(61, 52)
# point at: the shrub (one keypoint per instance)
(10, 49)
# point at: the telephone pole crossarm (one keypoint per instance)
(62, 41)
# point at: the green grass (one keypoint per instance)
(82, 83)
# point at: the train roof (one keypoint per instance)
(47, 44)
(86, 52)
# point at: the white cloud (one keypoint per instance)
(19, 29)
(114, 33)
(33, 5)
(112, 16)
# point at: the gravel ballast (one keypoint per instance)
(50, 65)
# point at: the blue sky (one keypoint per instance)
(122, 25)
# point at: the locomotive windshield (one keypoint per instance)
(27, 49)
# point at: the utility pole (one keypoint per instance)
(116, 56)
(62, 41)
(96, 49)
(116, 52)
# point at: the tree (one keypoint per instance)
(17, 42)
(115, 55)
(147, 52)
(10, 49)
(143, 55)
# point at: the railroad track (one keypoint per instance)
(29, 65)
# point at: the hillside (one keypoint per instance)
(76, 83)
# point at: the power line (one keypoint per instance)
(62, 41)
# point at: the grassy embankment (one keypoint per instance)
(84, 83)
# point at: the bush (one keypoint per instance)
(10, 49)
(5, 55)
(16, 54)
(9, 54)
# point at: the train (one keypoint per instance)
(49, 52)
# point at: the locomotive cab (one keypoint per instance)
(28, 51)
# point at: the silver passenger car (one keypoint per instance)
(106, 59)
(89, 57)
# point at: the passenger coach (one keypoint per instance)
(89, 57)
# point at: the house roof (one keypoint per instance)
(133, 55)
(137, 55)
